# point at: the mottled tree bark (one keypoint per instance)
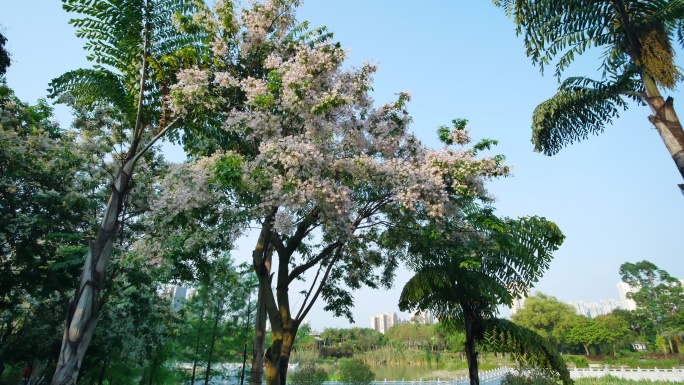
(261, 260)
(666, 122)
(82, 314)
(669, 127)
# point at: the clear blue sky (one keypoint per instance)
(614, 195)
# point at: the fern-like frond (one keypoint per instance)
(581, 107)
(92, 88)
(555, 32)
(526, 346)
(115, 31)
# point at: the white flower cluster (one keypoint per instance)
(190, 90)
(317, 142)
(187, 186)
(262, 18)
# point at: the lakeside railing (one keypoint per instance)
(673, 374)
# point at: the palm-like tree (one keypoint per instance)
(466, 268)
(135, 48)
(638, 59)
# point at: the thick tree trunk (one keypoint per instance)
(471, 353)
(586, 349)
(272, 363)
(667, 123)
(286, 349)
(82, 314)
(261, 260)
(277, 357)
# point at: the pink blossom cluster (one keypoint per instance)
(191, 90)
(185, 187)
(316, 140)
(274, 17)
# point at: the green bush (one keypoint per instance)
(533, 378)
(579, 362)
(610, 380)
(310, 375)
(355, 372)
(343, 350)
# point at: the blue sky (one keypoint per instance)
(614, 195)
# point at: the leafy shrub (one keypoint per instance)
(355, 372)
(309, 375)
(579, 362)
(344, 350)
(533, 378)
(625, 353)
(304, 357)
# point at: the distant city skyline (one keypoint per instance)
(382, 322)
(593, 309)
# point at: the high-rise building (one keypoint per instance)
(423, 317)
(595, 309)
(177, 295)
(382, 322)
(518, 304)
(608, 305)
(580, 307)
(623, 289)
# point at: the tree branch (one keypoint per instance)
(299, 270)
(303, 313)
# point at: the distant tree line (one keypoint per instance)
(657, 324)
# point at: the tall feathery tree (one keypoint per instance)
(137, 50)
(638, 60)
(469, 263)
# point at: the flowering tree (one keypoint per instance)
(309, 158)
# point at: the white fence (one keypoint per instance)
(671, 375)
(489, 377)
